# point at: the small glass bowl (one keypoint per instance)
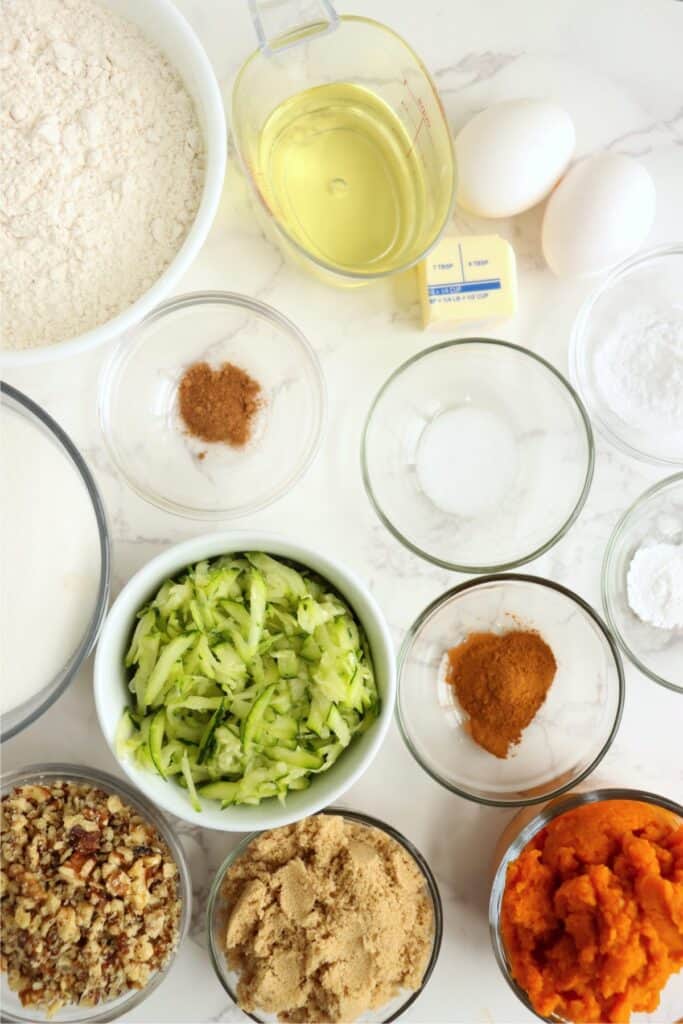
(573, 729)
(518, 473)
(656, 517)
(514, 841)
(14, 402)
(140, 419)
(648, 288)
(216, 923)
(12, 1010)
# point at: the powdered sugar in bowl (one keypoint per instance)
(626, 356)
(645, 622)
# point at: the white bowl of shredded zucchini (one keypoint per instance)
(243, 681)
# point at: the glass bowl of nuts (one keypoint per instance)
(96, 896)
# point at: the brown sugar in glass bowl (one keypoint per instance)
(219, 911)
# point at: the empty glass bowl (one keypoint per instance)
(44, 774)
(141, 421)
(641, 300)
(217, 922)
(573, 728)
(655, 518)
(477, 455)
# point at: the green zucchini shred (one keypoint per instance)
(248, 677)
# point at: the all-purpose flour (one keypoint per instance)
(101, 167)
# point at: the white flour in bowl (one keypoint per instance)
(101, 168)
(50, 561)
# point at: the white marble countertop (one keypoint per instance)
(614, 65)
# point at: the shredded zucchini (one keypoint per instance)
(248, 676)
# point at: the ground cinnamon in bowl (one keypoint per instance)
(219, 405)
(501, 680)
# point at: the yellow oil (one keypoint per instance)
(340, 173)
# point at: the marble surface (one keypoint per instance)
(613, 64)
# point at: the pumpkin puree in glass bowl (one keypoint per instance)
(592, 913)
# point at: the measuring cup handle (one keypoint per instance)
(280, 24)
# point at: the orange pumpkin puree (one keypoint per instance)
(592, 913)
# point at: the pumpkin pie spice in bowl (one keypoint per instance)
(510, 689)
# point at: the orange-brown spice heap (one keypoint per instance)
(219, 405)
(501, 682)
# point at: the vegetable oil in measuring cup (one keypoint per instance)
(339, 172)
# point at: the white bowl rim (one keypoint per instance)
(215, 138)
(172, 560)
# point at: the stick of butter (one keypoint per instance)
(473, 277)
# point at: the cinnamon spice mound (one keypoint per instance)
(219, 405)
(501, 680)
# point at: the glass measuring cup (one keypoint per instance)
(343, 138)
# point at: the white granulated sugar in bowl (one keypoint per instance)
(101, 168)
(50, 559)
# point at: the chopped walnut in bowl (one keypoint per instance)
(94, 895)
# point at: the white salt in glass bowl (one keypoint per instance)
(163, 24)
(112, 694)
(572, 730)
(644, 292)
(656, 517)
(477, 455)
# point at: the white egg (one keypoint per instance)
(598, 215)
(511, 155)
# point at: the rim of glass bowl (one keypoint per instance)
(58, 684)
(574, 514)
(577, 350)
(218, 960)
(114, 365)
(34, 774)
(478, 582)
(567, 803)
(606, 574)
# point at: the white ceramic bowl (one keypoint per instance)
(111, 692)
(164, 25)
